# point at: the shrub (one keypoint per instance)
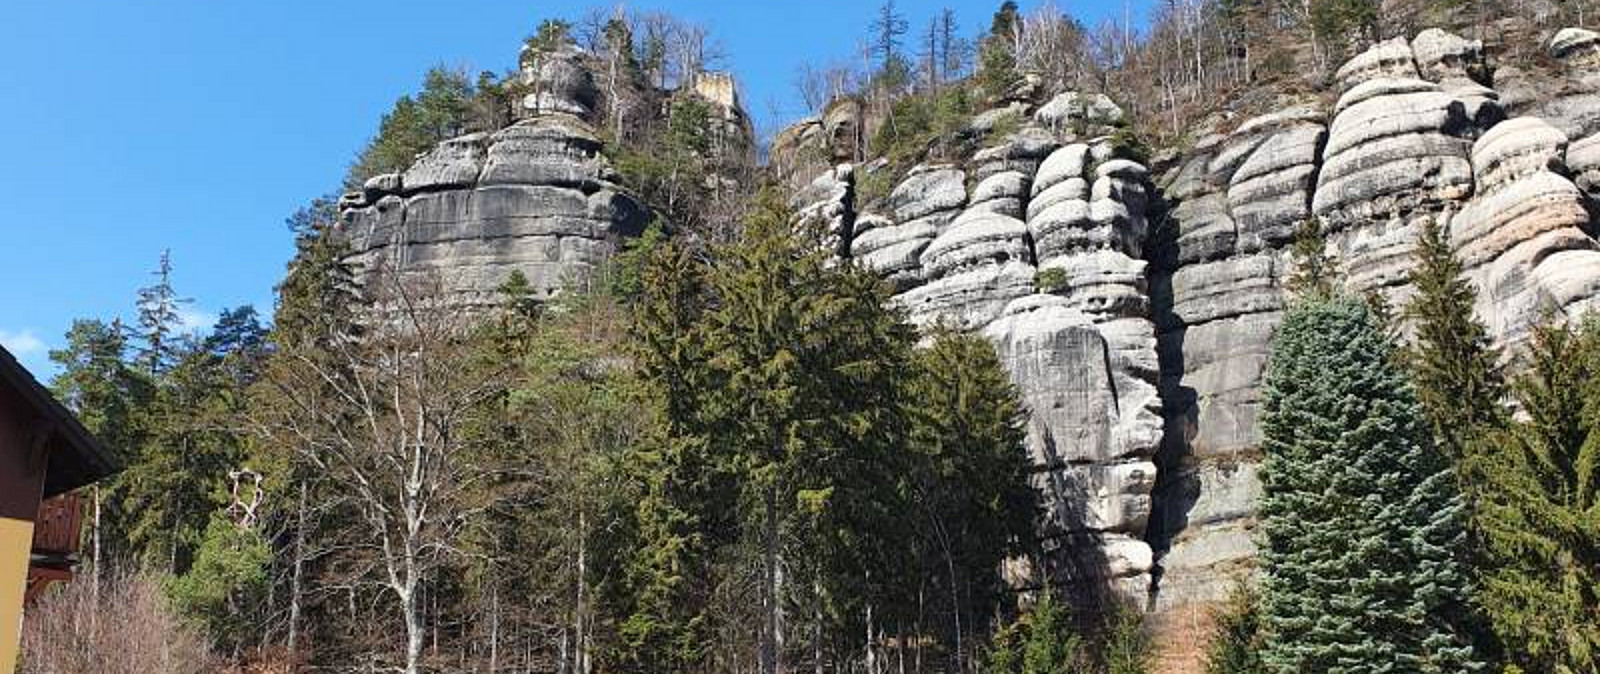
(1051, 280)
(128, 627)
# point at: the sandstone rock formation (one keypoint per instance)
(1416, 136)
(966, 245)
(537, 197)
(1136, 314)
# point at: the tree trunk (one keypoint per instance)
(494, 629)
(416, 632)
(581, 637)
(772, 637)
(872, 653)
(295, 577)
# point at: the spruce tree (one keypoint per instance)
(1538, 512)
(1235, 646)
(969, 480)
(1362, 525)
(1453, 363)
(159, 320)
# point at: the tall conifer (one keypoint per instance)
(1453, 363)
(1538, 512)
(1363, 528)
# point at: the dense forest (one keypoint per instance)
(725, 451)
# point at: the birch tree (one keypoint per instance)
(381, 418)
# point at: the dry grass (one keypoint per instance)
(1181, 636)
(128, 629)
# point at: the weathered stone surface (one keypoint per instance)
(1074, 112)
(1576, 46)
(976, 238)
(1416, 137)
(971, 298)
(559, 83)
(1389, 59)
(1583, 158)
(536, 197)
(928, 190)
(453, 163)
(1441, 55)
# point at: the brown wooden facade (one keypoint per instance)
(45, 454)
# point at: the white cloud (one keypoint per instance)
(22, 343)
(193, 320)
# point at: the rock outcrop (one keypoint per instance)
(1136, 314)
(1416, 136)
(538, 197)
(1038, 243)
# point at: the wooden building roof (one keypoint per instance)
(76, 458)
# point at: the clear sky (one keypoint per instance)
(198, 126)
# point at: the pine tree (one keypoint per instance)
(1235, 646)
(159, 320)
(1363, 528)
(806, 362)
(997, 52)
(1538, 511)
(1452, 361)
(888, 28)
(1040, 641)
(1314, 272)
(970, 478)
(680, 512)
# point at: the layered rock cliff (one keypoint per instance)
(1135, 312)
(1418, 132)
(1038, 242)
(1134, 309)
(538, 197)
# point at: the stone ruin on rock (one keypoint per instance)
(538, 196)
(1055, 195)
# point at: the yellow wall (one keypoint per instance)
(16, 540)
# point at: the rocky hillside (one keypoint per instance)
(1133, 307)
(540, 196)
(1134, 310)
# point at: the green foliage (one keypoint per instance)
(626, 277)
(223, 592)
(1126, 646)
(1338, 23)
(1454, 365)
(1127, 144)
(1236, 638)
(1051, 279)
(675, 487)
(1537, 511)
(924, 124)
(1040, 641)
(441, 110)
(159, 321)
(552, 35)
(1315, 274)
(1362, 525)
(997, 59)
(669, 170)
(968, 478)
(873, 186)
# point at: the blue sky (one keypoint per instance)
(198, 125)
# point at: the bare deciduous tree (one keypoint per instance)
(383, 418)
